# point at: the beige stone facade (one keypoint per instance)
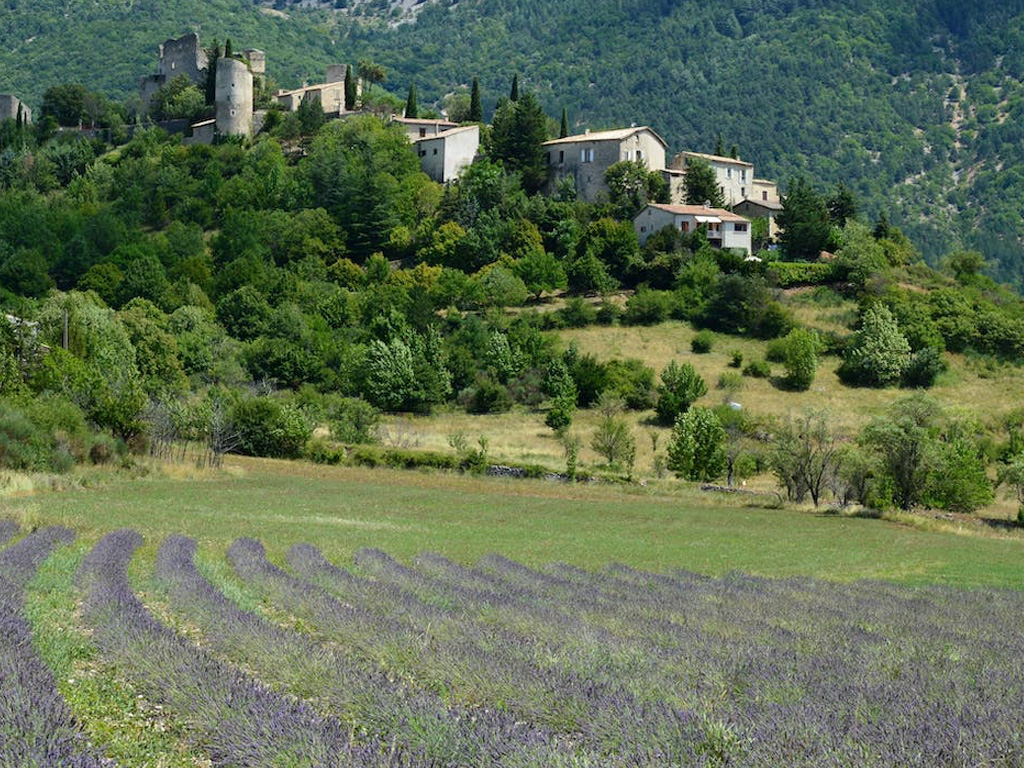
(586, 157)
(735, 177)
(234, 98)
(422, 128)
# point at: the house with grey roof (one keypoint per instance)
(585, 157)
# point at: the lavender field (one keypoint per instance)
(435, 663)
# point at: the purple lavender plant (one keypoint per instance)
(36, 725)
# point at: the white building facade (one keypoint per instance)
(724, 229)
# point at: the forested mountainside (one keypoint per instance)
(916, 105)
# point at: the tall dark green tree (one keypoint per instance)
(228, 53)
(804, 221)
(842, 205)
(411, 108)
(350, 89)
(719, 146)
(701, 185)
(514, 94)
(476, 109)
(518, 132)
(210, 87)
(563, 131)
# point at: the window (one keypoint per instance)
(643, 229)
(423, 132)
(739, 227)
(764, 195)
(743, 176)
(435, 150)
(561, 156)
(743, 191)
(685, 226)
(587, 155)
(629, 154)
(549, 158)
(639, 155)
(728, 173)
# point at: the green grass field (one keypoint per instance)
(404, 513)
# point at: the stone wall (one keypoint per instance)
(234, 98)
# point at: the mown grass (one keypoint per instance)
(341, 510)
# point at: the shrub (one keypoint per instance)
(486, 396)
(696, 450)
(879, 353)
(267, 427)
(730, 381)
(702, 342)
(800, 358)
(680, 387)
(790, 273)
(736, 359)
(924, 368)
(647, 307)
(633, 382)
(758, 369)
(591, 378)
(104, 449)
(577, 313)
(353, 420)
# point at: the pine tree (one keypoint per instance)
(514, 95)
(411, 110)
(564, 130)
(350, 89)
(476, 110)
(700, 185)
(804, 221)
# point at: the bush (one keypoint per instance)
(879, 353)
(758, 369)
(633, 382)
(790, 273)
(486, 396)
(925, 367)
(105, 449)
(730, 381)
(800, 353)
(353, 420)
(267, 427)
(696, 450)
(735, 359)
(680, 387)
(577, 313)
(647, 307)
(701, 343)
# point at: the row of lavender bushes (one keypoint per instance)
(37, 728)
(440, 664)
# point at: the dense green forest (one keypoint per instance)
(915, 105)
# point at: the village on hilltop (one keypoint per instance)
(446, 148)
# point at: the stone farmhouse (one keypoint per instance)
(11, 105)
(735, 177)
(445, 155)
(585, 157)
(331, 93)
(724, 229)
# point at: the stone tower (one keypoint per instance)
(234, 98)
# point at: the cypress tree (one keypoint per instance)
(476, 110)
(227, 48)
(514, 96)
(20, 121)
(564, 130)
(719, 147)
(734, 152)
(411, 109)
(211, 73)
(350, 89)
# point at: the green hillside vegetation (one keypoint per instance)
(915, 106)
(244, 297)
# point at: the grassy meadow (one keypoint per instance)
(657, 528)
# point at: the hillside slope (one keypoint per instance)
(915, 104)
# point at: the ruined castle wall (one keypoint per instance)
(234, 98)
(184, 56)
(9, 108)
